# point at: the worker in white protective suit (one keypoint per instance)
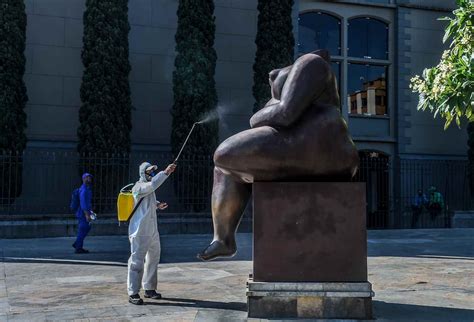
(143, 233)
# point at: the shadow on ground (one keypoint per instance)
(408, 312)
(192, 303)
(427, 243)
(114, 250)
(111, 250)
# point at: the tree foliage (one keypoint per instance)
(448, 88)
(13, 98)
(195, 98)
(105, 113)
(194, 86)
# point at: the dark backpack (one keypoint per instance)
(75, 201)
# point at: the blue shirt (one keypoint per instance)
(420, 200)
(85, 198)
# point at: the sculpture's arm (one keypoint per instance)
(306, 81)
(277, 79)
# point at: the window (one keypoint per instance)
(336, 68)
(367, 89)
(319, 30)
(365, 54)
(368, 38)
(367, 82)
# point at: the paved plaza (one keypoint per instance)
(417, 275)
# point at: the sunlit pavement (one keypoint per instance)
(419, 275)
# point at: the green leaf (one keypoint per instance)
(444, 18)
(447, 123)
(449, 31)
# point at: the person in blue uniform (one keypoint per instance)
(83, 213)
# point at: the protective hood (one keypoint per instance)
(142, 169)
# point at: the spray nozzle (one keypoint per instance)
(185, 141)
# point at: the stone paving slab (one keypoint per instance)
(417, 275)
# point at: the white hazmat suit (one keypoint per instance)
(143, 234)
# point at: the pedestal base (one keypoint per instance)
(309, 300)
(309, 232)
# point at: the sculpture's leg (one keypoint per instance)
(229, 199)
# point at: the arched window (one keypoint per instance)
(368, 38)
(318, 30)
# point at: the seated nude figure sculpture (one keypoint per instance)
(298, 136)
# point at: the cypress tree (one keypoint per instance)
(194, 87)
(105, 113)
(275, 45)
(13, 97)
(195, 97)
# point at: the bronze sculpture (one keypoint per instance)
(298, 136)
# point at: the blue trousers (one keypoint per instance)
(83, 229)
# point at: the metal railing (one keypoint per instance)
(392, 185)
(41, 182)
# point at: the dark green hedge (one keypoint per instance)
(105, 113)
(13, 98)
(194, 87)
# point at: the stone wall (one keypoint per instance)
(420, 35)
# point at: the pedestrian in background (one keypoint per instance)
(436, 202)
(420, 201)
(84, 212)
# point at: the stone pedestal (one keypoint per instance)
(309, 300)
(310, 251)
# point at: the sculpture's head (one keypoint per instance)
(323, 53)
(331, 94)
(277, 79)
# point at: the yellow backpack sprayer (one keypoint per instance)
(126, 202)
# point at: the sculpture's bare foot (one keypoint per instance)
(217, 249)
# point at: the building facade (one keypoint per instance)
(376, 46)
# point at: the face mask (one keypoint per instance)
(150, 175)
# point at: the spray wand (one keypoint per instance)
(186, 141)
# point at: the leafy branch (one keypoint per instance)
(448, 88)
